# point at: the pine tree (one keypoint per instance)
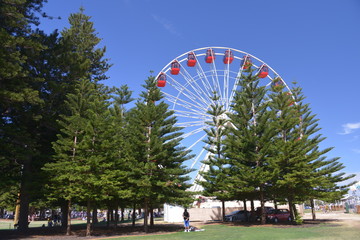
(80, 56)
(75, 56)
(159, 175)
(215, 182)
(248, 143)
(83, 169)
(20, 100)
(69, 147)
(302, 170)
(122, 164)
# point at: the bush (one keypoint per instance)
(298, 220)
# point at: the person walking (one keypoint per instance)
(186, 217)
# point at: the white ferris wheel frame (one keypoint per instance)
(194, 91)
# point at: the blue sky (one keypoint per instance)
(315, 43)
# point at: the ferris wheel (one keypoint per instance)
(189, 82)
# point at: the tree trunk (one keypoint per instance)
(146, 213)
(116, 216)
(108, 218)
(223, 210)
(252, 205)
(291, 209)
(64, 214)
(295, 211)
(133, 215)
(245, 209)
(312, 209)
(24, 197)
(122, 214)
(68, 218)
(88, 217)
(17, 210)
(151, 213)
(275, 204)
(262, 203)
(94, 216)
(111, 214)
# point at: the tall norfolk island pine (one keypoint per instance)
(80, 59)
(302, 171)
(159, 174)
(215, 180)
(248, 144)
(78, 166)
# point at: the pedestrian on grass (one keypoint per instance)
(186, 217)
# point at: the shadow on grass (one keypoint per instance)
(99, 230)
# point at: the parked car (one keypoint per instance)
(256, 216)
(240, 215)
(277, 215)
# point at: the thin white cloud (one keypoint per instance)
(166, 24)
(350, 127)
(356, 150)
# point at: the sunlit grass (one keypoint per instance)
(9, 224)
(222, 232)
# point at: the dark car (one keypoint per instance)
(240, 215)
(277, 215)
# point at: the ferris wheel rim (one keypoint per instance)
(167, 66)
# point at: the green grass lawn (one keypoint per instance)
(321, 231)
(8, 224)
(224, 232)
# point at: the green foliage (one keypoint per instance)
(215, 182)
(298, 220)
(159, 175)
(248, 144)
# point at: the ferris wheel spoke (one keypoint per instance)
(190, 124)
(237, 80)
(194, 85)
(199, 115)
(197, 141)
(186, 92)
(184, 103)
(215, 79)
(226, 85)
(204, 80)
(199, 155)
(189, 116)
(200, 129)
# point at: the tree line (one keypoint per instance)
(68, 139)
(267, 149)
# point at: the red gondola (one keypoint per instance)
(210, 56)
(175, 68)
(228, 57)
(264, 71)
(246, 62)
(191, 62)
(161, 80)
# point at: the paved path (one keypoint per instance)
(339, 215)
